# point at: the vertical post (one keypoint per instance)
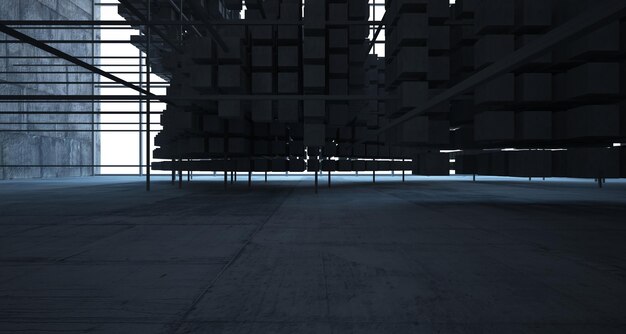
(374, 176)
(93, 93)
(140, 116)
(316, 182)
(225, 180)
(329, 178)
(149, 31)
(403, 171)
(188, 172)
(173, 171)
(265, 176)
(249, 179)
(474, 177)
(231, 177)
(180, 173)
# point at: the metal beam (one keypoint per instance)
(27, 39)
(587, 22)
(169, 99)
(216, 22)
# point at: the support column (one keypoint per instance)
(173, 171)
(180, 173)
(329, 178)
(316, 182)
(149, 33)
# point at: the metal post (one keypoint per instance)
(225, 180)
(530, 178)
(402, 174)
(173, 171)
(474, 177)
(329, 178)
(265, 176)
(231, 177)
(180, 173)
(148, 96)
(141, 120)
(316, 182)
(374, 176)
(249, 179)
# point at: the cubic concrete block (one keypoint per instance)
(412, 94)
(261, 83)
(491, 48)
(261, 147)
(230, 78)
(288, 111)
(288, 82)
(433, 164)
(262, 57)
(494, 16)
(494, 125)
(314, 135)
(288, 57)
(261, 111)
(414, 131)
(593, 162)
(314, 109)
(230, 109)
(314, 48)
(533, 125)
(296, 165)
(238, 146)
(593, 79)
(338, 38)
(498, 91)
(279, 148)
(315, 76)
(296, 148)
(530, 163)
(534, 87)
(593, 121)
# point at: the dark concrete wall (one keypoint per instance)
(30, 143)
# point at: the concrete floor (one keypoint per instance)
(426, 256)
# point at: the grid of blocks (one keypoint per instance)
(292, 86)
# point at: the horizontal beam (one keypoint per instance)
(181, 23)
(221, 97)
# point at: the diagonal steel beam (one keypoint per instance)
(27, 39)
(587, 22)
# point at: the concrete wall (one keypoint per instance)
(35, 144)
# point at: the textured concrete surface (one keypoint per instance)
(427, 256)
(54, 144)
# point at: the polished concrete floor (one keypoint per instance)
(430, 255)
